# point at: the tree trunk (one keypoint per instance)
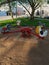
(10, 11)
(16, 9)
(12, 15)
(32, 14)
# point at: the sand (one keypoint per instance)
(16, 50)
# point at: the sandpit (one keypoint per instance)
(15, 50)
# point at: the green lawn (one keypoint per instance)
(25, 21)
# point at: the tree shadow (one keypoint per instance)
(39, 55)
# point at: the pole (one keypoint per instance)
(16, 9)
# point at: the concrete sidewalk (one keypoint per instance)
(9, 17)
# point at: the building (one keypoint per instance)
(19, 9)
(43, 10)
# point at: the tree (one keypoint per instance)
(2, 2)
(48, 1)
(34, 4)
(10, 10)
(14, 5)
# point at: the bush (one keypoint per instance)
(25, 22)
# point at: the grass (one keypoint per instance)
(25, 21)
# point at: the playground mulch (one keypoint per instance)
(16, 50)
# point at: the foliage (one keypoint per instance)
(25, 21)
(48, 1)
(34, 4)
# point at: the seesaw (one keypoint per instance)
(26, 32)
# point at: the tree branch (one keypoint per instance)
(6, 2)
(30, 3)
(37, 5)
(24, 7)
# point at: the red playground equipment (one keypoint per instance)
(26, 32)
(4, 29)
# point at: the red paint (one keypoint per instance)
(38, 36)
(24, 30)
(4, 28)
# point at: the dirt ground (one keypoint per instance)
(15, 50)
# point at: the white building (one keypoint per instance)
(44, 7)
(20, 9)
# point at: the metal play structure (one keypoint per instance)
(27, 31)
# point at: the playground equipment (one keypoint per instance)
(40, 29)
(40, 32)
(18, 22)
(27, 32)
(8, 27)
(5, 29)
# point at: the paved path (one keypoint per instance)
(9, 17)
